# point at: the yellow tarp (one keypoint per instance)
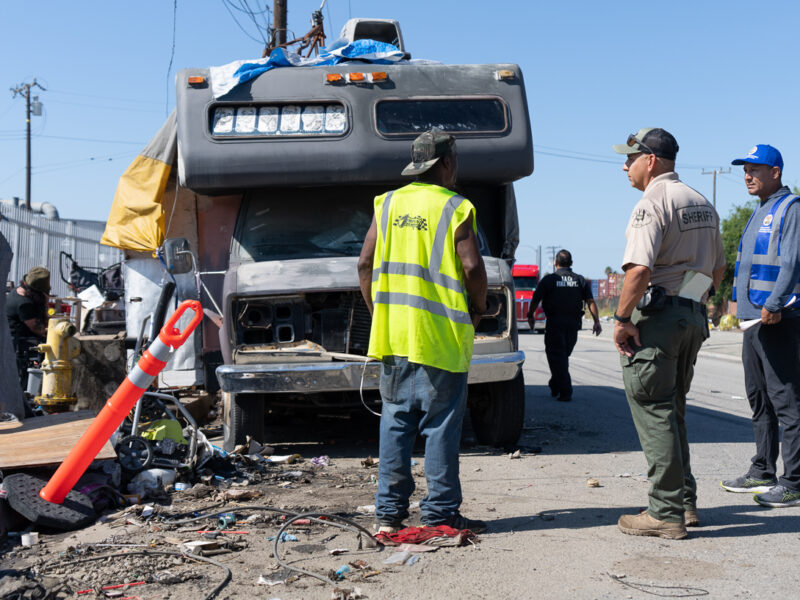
(136, 220)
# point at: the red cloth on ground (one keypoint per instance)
(439, 535)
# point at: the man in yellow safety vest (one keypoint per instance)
(423, 279)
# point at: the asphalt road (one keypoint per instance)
(556, 537)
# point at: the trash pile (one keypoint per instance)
(173, 510)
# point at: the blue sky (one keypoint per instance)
(721, 76)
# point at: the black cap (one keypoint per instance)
(657, 141)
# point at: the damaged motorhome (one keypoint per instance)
(275, 182)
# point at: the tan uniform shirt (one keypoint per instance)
(673, 229)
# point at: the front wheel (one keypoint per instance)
(244, 416)
(498, 412)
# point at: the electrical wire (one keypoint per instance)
(227, 4)
(171, 54)
(80, 139)
(361, 388)
(96, 97)
(313, 516)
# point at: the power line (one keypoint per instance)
(95, 96)
(171, 55)
(80, 139)
(714, 172)
(105, 106)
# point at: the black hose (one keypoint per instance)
(160, 312)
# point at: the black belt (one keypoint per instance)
(680, 301)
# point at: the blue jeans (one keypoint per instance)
(431, 402)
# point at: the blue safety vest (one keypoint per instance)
(766, 254)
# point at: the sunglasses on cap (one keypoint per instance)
(633, 141)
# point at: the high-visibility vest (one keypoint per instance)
(766, 254)
(420, 302)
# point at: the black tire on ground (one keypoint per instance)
(244, 417)
(498, 412)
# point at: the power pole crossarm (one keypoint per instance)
(714, 172)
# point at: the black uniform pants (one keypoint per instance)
(771, 359)
(560, 336)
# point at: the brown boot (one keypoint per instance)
(690, 518)
(644, 524)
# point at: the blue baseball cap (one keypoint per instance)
(762, 154)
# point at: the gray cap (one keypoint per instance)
(428, 148)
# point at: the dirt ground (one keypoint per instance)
(144, 546)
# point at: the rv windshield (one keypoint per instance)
(280, 224)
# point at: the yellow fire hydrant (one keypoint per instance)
(59, 350)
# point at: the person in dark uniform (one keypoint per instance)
(562, 295)
(26, 310)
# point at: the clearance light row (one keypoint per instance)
(356, 77)
(288, 119)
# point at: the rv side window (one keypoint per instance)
(455, 115)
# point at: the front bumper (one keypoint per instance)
(314, 377)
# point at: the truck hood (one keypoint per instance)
(314, 274)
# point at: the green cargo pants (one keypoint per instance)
(657, 378)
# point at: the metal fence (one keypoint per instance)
(38, 241)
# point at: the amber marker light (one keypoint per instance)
(196, 80)
(333, 78)
(379, 76)
(356, 77)
(504, 74)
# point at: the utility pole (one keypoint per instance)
(539, 256)
(279, 10)
(552, 250)
(714, 172)
(25, 89)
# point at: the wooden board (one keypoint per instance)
(42, 441)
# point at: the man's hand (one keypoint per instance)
(531, 320)
(476, 318)
(596, 328)
(770, 318)
(623, 332)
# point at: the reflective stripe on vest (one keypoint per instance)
(766, 257)
(432, 274)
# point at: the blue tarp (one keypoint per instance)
(227, 77)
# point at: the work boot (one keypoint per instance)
(459, 521)
(690, 518)
(644, 524)
(393, 527)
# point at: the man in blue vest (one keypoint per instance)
(767, 293)
(424, 282)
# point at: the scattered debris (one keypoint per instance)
(516, 454)
(346, 594)
(594, 483)
(369, 462)
(321, 461)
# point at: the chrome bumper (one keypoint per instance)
(311, 378)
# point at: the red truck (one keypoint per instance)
(526, 278)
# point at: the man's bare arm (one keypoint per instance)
(637, 278)
(365, 261)
(472, 262)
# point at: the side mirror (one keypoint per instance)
(177, 255)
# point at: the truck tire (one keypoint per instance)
(243, 416)
(498, 412)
